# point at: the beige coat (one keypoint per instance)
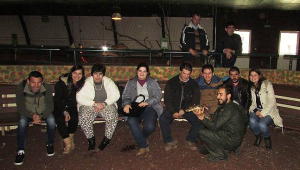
(268, 101)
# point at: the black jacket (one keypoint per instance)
(172, 95)
(63, 99)
(187, 40)
(233, 42)
(244, 92)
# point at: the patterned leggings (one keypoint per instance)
(87, 116)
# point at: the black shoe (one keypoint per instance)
(104, 143)
(257, 140)
(92, 143)
(203, 150)
(20, 157)
(50, 150)
(268, 143)
(216, 159)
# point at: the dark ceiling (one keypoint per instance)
(136, 7)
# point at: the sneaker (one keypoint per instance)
(171, 145)
(216, 159)
(20, 157)
(50, 150)
(191, 146)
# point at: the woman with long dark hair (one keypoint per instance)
(263, 110)
(65, 105)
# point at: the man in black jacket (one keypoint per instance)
(180, 93)
(194, 38)
(230, 45)
(241, 90)
(225, 132)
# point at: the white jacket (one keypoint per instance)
(87, 94)
(268, 102)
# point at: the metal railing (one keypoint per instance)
(143, 53)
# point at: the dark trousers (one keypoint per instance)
(71, 126)
(167, 118)
(228, 62)
(217, 142)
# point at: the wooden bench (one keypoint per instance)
(8, 110)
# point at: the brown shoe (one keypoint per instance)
(68, 145)
(191, 146)
(171, 145)
(142, 151)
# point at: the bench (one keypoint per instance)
(289, 107)
(8, 110)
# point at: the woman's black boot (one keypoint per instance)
(104, 143)
(268, 143)
(257, 140)
(92, 143)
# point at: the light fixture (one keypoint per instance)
(117, 12)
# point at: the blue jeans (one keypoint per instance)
(167, 118)
(149, 117)
(260, 125)
(23, 126)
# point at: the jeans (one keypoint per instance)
(23, 126)
(167, 118)
(260, 125)
(149, 117)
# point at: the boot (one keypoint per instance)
(142, 151)
(68, 145)
(268, 143)
(257, 140)
(104, 143)
(72, 141)
(92, 143)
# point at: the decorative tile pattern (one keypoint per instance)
(15, 74)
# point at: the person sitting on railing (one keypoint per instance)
(98, 97)
(65, 105)
(34, 103)
(230, 44)
(142, 84)
(181, 92)
(194, 38)
(263, 110)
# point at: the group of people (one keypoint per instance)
(194, 39)
(79, 100)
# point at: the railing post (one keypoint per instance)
(50, 57)
(291, 63)
(270, 62)
(123, 59)
(170, 63)
(150, 59)
(74, 57)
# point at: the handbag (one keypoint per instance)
(136, 110)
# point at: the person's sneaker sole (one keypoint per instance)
(50, 154)
(21, 163)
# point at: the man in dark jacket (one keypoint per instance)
(241, 90)
(181, 92)
(226, 130)
(34, 103)
(193, 39)
(230, 45)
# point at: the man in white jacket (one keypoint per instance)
(98, 97)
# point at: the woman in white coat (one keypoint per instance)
(263, 110)
(98, 97)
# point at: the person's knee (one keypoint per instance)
(262, 126)
(23, 123)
